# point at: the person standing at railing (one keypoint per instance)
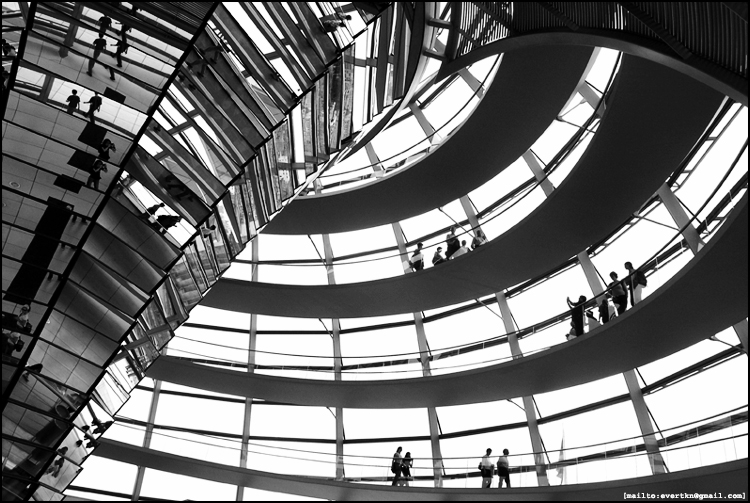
(417, 259)
(396, 466)
(451, 242)
(635, 281)
(487, 469)
(438, 257)
(461, 251)
(503, 469)
(479, 239)
(576, 314)
(406, 465)
(619, 295)
(606, 310)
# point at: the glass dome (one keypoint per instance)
(176, 347)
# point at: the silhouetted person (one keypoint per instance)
(503, 469)
(55, 467)
(619, 295)
(8, 50)
(99, 45)
(487, 469)
(151, 210)
(406, 465)
(417, 259)
(6, 78)
(96, 174)
(571, 333)
(208, 231)
(462, 250)
(604, 313)
(576, 314)
(396, 466)
(176, 188)
(73, 102)
(104, 148)
(635, 281)
(94, 104)
(104, 23)
(479, 239)
(124, 29)
(329, 25)
(438, 257)
(168, 221)
(23, 317)
(451, 243)
(122, 48)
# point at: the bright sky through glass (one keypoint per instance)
(279, 337)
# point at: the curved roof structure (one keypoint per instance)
(514, 112)
(690, 305)
(647, 101)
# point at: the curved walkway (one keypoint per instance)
(710, 74)
(517, 108)
(654, 118)
(728, 478)
(706, 296)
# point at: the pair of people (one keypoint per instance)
(455, 249)
(401, 468)
(632, 284)
(488, 469)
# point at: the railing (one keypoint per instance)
(712, 440)
(390, 366)
(707, 30)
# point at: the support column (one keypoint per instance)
(644, 421)
(538, 170)
(636, 395)
(149, 434)
(337, 361)
(470, 213)
(425, 124)
(690, 233)
(681, 218)
(595, 282)
(591, 97)
(252, 343)
(73, 26)
(437, 456)
(401, 246)
(528, 401)
(474, 83)
(337, 364)
(377, 166)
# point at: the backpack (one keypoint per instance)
(641, 278)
